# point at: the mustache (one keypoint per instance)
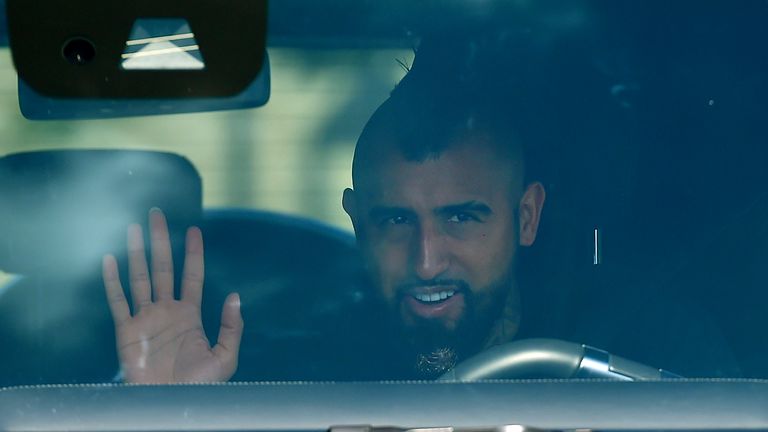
(405, 287)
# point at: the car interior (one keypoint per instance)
(653, 152)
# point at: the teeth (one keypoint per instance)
(434, 297)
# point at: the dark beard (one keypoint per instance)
(433, 350)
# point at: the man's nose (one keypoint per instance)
(430, 255)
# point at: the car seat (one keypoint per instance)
(302, 288)
(62, 210)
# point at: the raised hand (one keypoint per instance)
(163, 340)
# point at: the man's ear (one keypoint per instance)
(530, 207)
(349, 202)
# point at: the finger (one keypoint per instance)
(137, 269)
(228, 345)
(162, 259)
(118, 305)
(194, 268)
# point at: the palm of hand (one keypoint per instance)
(163, 340)
(166, 339)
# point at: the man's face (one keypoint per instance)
(439, 237)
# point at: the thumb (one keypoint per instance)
(231, 331)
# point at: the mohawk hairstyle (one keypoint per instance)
(458, 86)
(532, 98)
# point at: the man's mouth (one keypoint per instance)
(435, 297)
(435, 302)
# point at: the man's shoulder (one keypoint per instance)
(353, 346)
(668, 332)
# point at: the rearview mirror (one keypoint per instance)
(112, 59)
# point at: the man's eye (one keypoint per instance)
(396, 220)
(461, 218)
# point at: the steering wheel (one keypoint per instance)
(550, 358)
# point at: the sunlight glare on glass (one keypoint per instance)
(162, 44)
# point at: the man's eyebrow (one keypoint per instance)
(469, 206)
(385, 211)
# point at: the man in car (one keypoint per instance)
(440, 204)
(443, 198)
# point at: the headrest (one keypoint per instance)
(62, 210)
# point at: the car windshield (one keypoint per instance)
(430, 188)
